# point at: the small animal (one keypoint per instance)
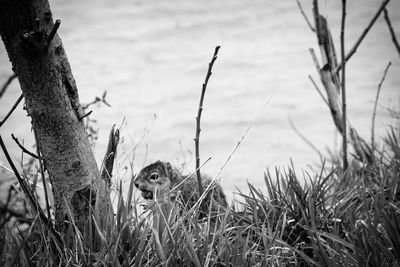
(157, 179)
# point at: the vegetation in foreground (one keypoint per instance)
(335, 218)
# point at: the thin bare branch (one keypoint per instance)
(35, 206)
(200, 200)
(375, 106)
(46, 195)
(7, 83)
(52, 33)
(364, 33)
(394, 38)
(85, 115)
(305, 16)
(316, 15)
(344, 108)
(303, 137)
(12, 109)
(318, 90)
(315, 59)
(23, 148)
(97, 99)
(198, 129)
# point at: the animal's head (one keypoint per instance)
(156, 180)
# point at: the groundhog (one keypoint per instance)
(157, 179)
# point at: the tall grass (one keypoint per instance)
(329, 218)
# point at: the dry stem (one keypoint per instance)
(12, 109)
(23, 148)
(394, 38)
(109, 157)
(197, 138)
(303, 137)
(344, 109)
(305, 16)
(7, 83)
(375, 105)
(46, 195)
(46, 221)
(364, 33)
(318, 90)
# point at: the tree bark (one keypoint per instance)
(51, 100)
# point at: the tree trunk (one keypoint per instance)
(51, 100)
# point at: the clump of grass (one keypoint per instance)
(330, 218)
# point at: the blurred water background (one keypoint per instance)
(152, 56)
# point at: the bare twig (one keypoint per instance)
(196, 139)
(190, 175)
(325, 42)
(46, 195)
(97, 99)
(23, 148)
(200, 200)
(314, 57)
(332, 84)
(305, 16)
(53, 30)
(85, 115)
(331, 87)
(28, 194)
(344, 109)
(318, 90)
(11, 110)
(302, 136)
(375, 105)
(7, 83)
(394, 38)
(52, 33)
(316, 15)
(364, 33)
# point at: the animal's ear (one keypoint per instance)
(167, 168)
(168, 165)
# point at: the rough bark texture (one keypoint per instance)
(51, 100)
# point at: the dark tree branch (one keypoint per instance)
(53, 31)
(23, 148)
(85, 115)
(52, 34)
(7, 83)
(28, 193)
(394, 38)
(198, 129)
(12, 109)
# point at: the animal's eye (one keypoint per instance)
(154, 176)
